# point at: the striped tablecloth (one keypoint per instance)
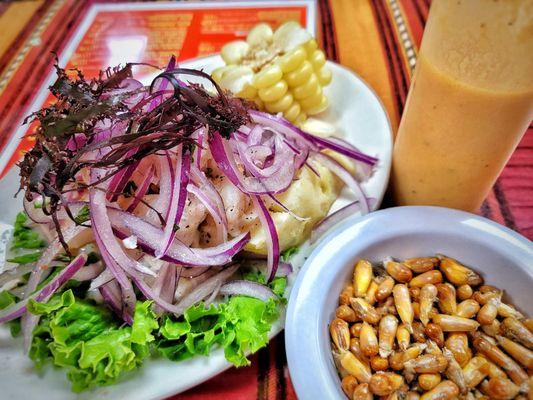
(378, 39)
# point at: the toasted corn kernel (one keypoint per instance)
(362, 392)
(457, 343)
(355, 329)
(368, 340)
(370, 295)
(412, 396)
(355, 367)
(413, 352)
(446, 390)
(340, 333)
(454, 371)
(346, 313)
(433, 276)
(400, 272)
(432, 348)
(396, 361)
(348, 384)
(520, 353)
(355, 348)
(515, 330)
(385, 288)
(489, 289)
(379, 363)
(385, 383)
(428, 295)
(387, 332)
(492, 370)
(346, 294)
(422, 264)
(403, 304)
(435, 333)
(447, 298)
(493, 353)
(452, 323)
(506, 310)
(458, 274)
(362, 276)
(427, 364)
(464, 292)
(528, 323)
(364, 310)
(403, 337)
(428, 381)
(419, 332)
(501, 388)
(483, 298)
(487, 314)
(414, 292)
(416, 309)
(474, 371)
(467, 308)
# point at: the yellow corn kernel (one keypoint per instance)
(267, 77)
(501, 388)
(487, 314)
(355, 348)
(401, 273)
(346, 313)
(475, 371)
(379, 363)
(452, 323)
(340, 333)
(403, 304)
(300, 75)
(413, 352)
(428, 381)
(355, 367)
(435, 333)
(306, 89)
(344, 297)
(447, 298)
(370, 295)
(312, 101)
(418, 331)
(364, 310)
(324, 76)
(259, 103)
(428, 295)
(446, 390)
(292, 60)
(427, 364)
(467, 308)
(412, 396)
(403, 337)
(521, 354)
(248, 92)
(362, 276)
(318, 59)
(280, 105)
(368, 340)
(528, 323)
(464, 292)
(348, 384)
(324, 103)
(492, 329)
(385, 383)
(355, 329)
(362, 392)
(260, 34)
(384, 288)
(457, 343)
(293, 111)
(219, 72)
(433, 276)
(274, 92)
(515, 330)
(311, 46)
(387, 332)
(493, 370)
(458, 274)
(300, 119)
(233, 52)
(506, 310)
(422, 264)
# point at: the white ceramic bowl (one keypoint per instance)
(503, 257)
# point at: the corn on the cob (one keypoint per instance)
(400, 272)
(348, 384)
(345, 313)
(403, 304)
(368, 341)
(362, 392)
(387, 332)
(446, 390)
(285, 71)
(385, 288)
(515, 330)
(452, 323)
(355, 367)
(340, 333)
(428, 295)
(433, 276)
(422, 264)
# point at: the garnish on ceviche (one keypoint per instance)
(161, 219)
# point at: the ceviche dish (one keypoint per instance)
(160, 221)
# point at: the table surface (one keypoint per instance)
(378, 39)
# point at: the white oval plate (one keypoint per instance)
(357, 115)
(503, 257)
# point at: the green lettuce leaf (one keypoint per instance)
(25, 258)
(7, 299)
(85, 339)
(24, 237)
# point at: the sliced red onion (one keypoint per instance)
(271, 235)
(120, 179)
(205, 288)
(200, 133)
(142, 189)
(327, 223)
(177, 202)
(105, 277)
(165, 284)
(364, 168)
(212, 208)
(89, 272)
(247, 288)
(292, 214)
(113, 298)
(43, 294)
(213, 295)
(346, 177)
(284, 269)
(199, 179)
(35, 214)
(162, 202)
(162, 85)
(149, 237)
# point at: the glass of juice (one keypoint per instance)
(470, 102)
